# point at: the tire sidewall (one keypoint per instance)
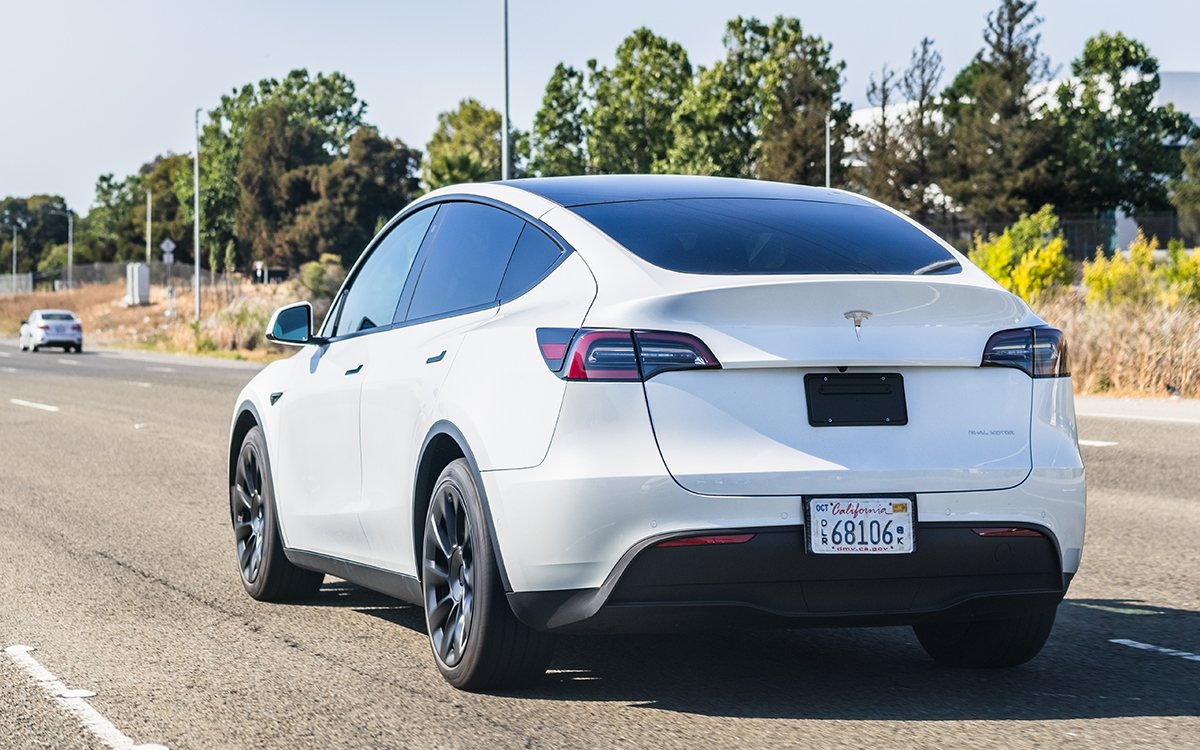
(271, 543)
(488, 592)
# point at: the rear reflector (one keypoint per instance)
(1001, 531)
(700, 541)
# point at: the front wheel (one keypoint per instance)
(477, 641)
(982, 644)
(267, 574)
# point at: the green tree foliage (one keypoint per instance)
(326, 105)
(630, 122)
(1027, 259)
(804, 86)
(39, 230)
(298, 201)
(1117, 149)
(465, 147)
(559, 134)
(995, 148)
(1185, 190)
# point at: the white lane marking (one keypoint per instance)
(1096, 443)
(9, 369)
(67, 362)
(72, 701)
(139, 426)
(1178, 420)
(32, 405)
(160, 369)
(1158, 649)
(1117, 610)
(138, 383)
(5, 354)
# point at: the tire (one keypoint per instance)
(35, 347)
(265, 570)
(79, 348)
(477, 641)
(987, 644)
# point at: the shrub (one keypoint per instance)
(1139, 279)
(1027, 259)
(320, 279)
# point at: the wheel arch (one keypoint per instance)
(445, 443)
(247, 418)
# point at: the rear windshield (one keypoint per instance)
(57, 316)
(757, 236)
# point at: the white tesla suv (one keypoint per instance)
(646, 403)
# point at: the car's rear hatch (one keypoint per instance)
(745, 429)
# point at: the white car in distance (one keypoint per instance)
(59, 328)
(647, 403)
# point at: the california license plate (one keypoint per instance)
(860, 525)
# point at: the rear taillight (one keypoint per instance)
(76, 327)
(44, 327)
(600, 355)
(1039, 352)
(704, 541)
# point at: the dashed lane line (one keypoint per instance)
(67, 362)
(1157, 649)
(9, 369)
(32, 405)
(1096, 443)
(72, 701)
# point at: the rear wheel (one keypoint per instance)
(266, 572)
(1005, 642)
(478, 643)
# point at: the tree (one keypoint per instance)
(881, 145)
(921, 131)
(996, 145)
(630, 125)
(1185, 190)
(559, 137)
(325, 103)
(465, 147)
(1118, 149)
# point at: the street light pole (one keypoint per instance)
(504, 144)
(149, 218)
(196, 213)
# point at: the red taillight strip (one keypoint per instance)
(700, 541)
(1004, 531)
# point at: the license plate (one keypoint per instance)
(860, 525)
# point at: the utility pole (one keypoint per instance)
(196, 214)
(149, 209)
(504, 146)
(14, 274)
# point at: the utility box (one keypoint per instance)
(137, 284)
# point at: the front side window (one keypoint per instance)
(375, 291)
(763, 236)
(469, 247)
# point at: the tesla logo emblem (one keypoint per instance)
(858, 316)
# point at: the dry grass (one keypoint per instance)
(233, 324)
(1129, 349)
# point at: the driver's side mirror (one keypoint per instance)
(23, 322)
(292, 325)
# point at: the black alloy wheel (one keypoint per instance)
(266, 572)
(477, 641)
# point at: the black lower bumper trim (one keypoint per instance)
(953, 574)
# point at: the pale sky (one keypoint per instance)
(96, 86)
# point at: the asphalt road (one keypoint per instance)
(116, 564)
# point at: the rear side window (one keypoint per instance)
(469, 248)
(756, 236)
(533, 256)
(57, 316)
(374, 294)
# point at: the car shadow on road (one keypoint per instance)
(883, 674)
(339, 593)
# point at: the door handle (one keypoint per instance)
(438, 358)
(354, 371)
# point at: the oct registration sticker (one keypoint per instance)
(860, 525)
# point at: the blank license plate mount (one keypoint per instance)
(843, 400)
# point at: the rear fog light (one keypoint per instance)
(701, 541)
(1001, 531)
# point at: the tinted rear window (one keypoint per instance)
(753, 236)
(57, 316)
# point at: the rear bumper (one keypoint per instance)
(772, 581)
